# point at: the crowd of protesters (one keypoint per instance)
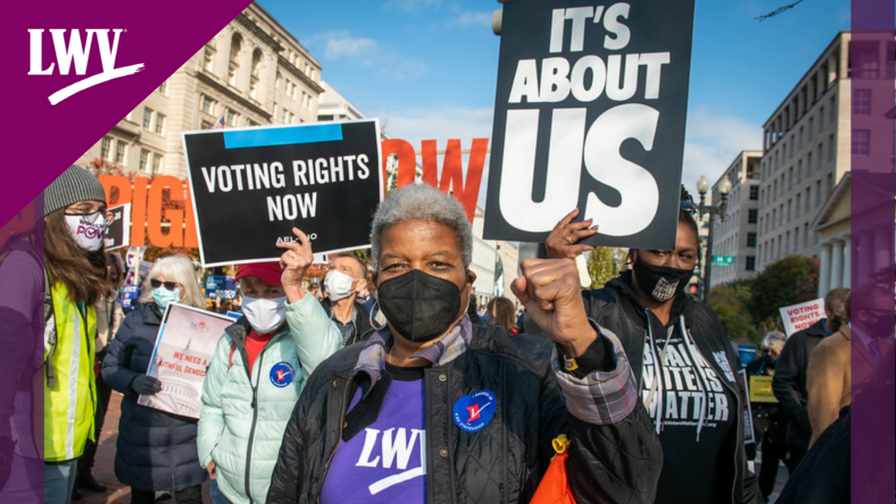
(385, 382)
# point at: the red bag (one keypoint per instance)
(554, 487)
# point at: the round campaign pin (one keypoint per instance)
(282, 374)
(473, 412)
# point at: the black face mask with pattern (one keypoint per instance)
(660, 282)
(419, 306)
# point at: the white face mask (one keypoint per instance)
(265, 315)
(338, 285)
(89, 230)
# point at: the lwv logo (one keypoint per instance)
(76, 53)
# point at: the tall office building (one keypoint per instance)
(737, 234)
(806, 152)
(254, 72)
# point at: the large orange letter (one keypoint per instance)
(407, 160)
(138, 212)
(175, 235)
(452, 181)
(111, 182)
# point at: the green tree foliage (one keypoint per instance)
(791, 280)
(604, 263)
(730, 303)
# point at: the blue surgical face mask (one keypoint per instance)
(163, 296)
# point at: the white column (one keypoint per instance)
(847, 263)
(882, 245)
(836, 264)
(824, 270)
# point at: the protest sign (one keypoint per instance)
(761, 390)
(800, 316)
(184, 347)
(118, 227)
(749, 430)
(219, 287)
(590, 113)
(127, 295)
(250, 186)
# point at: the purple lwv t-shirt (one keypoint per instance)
(385, 463)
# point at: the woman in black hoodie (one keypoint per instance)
(685, 365)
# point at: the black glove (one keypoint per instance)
(146, 385)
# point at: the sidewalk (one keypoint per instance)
(104, 465)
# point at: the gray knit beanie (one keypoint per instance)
(74, 185)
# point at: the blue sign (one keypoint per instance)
(282, 374)
(219, 287)
(127, 295)
(473, 412)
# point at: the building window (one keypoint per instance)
(808, 198)
(751, 239)
(157, 163)
(163, 87)
(796, 239)
(106, 147)
(819, 156)
(861, 142)
(811, 128)
(754, 193)
(833, 109)
(831, 147)
(207, 105)
(160, 123)
(798, 196)
(753, 216)
(830, 183)
(205, 125)
(818, 194)
(147, 118)
(751, 263)
(805, 235)
(861, 102)
(119, 152)
(821, 119)
(230, 117)
(236, 44)
(144, 159)
(255, 72)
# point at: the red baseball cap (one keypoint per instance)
(270, 272)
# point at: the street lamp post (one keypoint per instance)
(702, 188)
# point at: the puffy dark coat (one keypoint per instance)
(619, 308)
(789, 383)
(155, 450)
(504, 462)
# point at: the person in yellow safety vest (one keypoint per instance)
(75, 276)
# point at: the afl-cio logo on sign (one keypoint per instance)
(74, 52)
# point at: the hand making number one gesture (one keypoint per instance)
(295, 261)
(549, 289)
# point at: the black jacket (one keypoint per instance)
(823, 476)
(155, 450)
(769, 422)
(789, 383)
(618, 308)
(504, 462)
(363, 329)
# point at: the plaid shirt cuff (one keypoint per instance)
(601, 397)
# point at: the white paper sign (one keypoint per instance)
(184, 348)
(800, 316)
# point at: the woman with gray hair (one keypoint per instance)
(434, 409)
(769, 422)
(155, 450)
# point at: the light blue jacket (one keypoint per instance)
(242, 421)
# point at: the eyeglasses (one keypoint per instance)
(168, 285)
